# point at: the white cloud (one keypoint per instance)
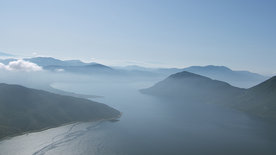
(2, 66)
(21, 65)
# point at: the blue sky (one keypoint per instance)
(239, 34)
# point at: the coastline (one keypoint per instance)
(113, 119)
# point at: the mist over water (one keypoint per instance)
(156, 77)
(149, 125)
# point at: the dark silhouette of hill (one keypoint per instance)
(23, 110)
(190, 86)
(243, 79)
(259, 100)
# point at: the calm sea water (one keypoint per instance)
(149, 126)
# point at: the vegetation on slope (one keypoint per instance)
(23, 109)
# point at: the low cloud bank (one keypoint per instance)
(20, 65)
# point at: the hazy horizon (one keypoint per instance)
(236, 34)
(129, 64)
(145, 77)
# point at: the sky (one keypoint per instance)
(240, 34)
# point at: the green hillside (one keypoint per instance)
(23, 109)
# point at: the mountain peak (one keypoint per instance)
(185, 74)
(193, 87)
(51, 58)
(208, 68)
(217, 67)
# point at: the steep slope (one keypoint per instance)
(186, 85)
(260, 99)
(23, 109)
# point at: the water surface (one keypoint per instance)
(149, 125)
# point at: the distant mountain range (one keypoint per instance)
(259, 100)
(49, 61)
(56, 65)
(24, 110)
(243, 79)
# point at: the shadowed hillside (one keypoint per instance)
(23, 110)
(259, 100)
(186, 85)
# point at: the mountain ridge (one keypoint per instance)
(186, 85)
(237, 78)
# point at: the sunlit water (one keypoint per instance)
(148, 126)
